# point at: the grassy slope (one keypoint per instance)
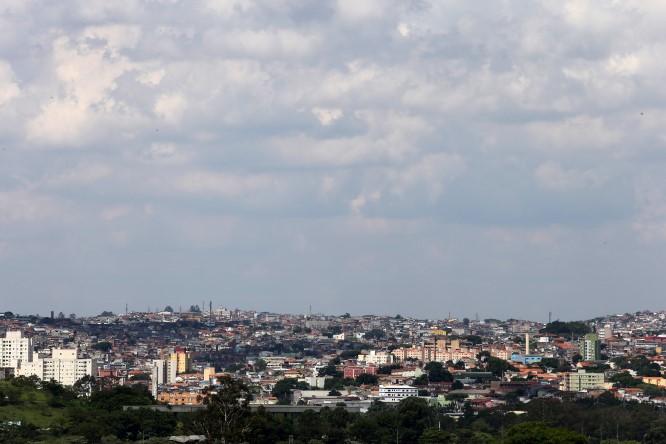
(33, 409)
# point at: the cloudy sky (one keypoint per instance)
(504, 158)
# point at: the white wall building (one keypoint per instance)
(14, 348)
(63, 366)
(158, 376)
(396, 393)
(377, 358)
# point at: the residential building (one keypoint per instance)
(589, 347)
(182, 397)
(13, 348)
(376, 357)
(181, 358)
(396, 393)
(581, 380)
(158, 376)
(63, 366)
(353, 371)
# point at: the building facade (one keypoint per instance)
(590, 348)
(580, 381)
(396, 393)
(63, 366)
(14, 348)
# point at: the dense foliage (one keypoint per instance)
(50, 412)
(577, 328)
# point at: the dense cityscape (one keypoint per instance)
(458, 376)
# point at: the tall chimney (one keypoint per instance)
(527, 344)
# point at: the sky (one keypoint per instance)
(503, 159)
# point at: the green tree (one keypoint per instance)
(474, 339)
(435, 436)
(567, 328)
(437, 373)
(415, 416)
(498, 366)
(117, 397)
(545, 363)
(625, 379)
(330, 370)
(227, 415)
(310, 425)
(103, 346)
(282, 389)
(260, 365)
(539, 432)
(367, 378)
(375, 333)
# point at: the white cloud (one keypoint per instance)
(86, 74)
(85, 173)
(226, 184)
(327, 116)
(403, 29)
(540, 237)
(111, 214)
(431, 173)
(171, 107)
(551, 175)
(151, 77)
(289, 126)
(360, 201)
(355, 11)
(580, 132)
(24, 206)
(165, 153)
(117, 36)
(9, 89)
(650, 222)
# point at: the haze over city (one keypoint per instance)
(421, 158)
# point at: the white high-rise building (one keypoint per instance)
(158, 376)
(14, 348)
(63, 366)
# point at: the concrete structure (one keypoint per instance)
(180, 358)
(63, 366)
(580, 381)
(376, 358)
(526, 359)
(158, 376)
(353, 371)
(182, 397)
(316, 381)
(589, 347)
(396, 393)
(605, 333)
(14, 348)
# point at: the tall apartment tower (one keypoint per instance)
(14, 348)
(590, 347)
(158, 376)
(180, 359)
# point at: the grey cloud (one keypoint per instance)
(355, 154)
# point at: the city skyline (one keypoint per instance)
(365, 157)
